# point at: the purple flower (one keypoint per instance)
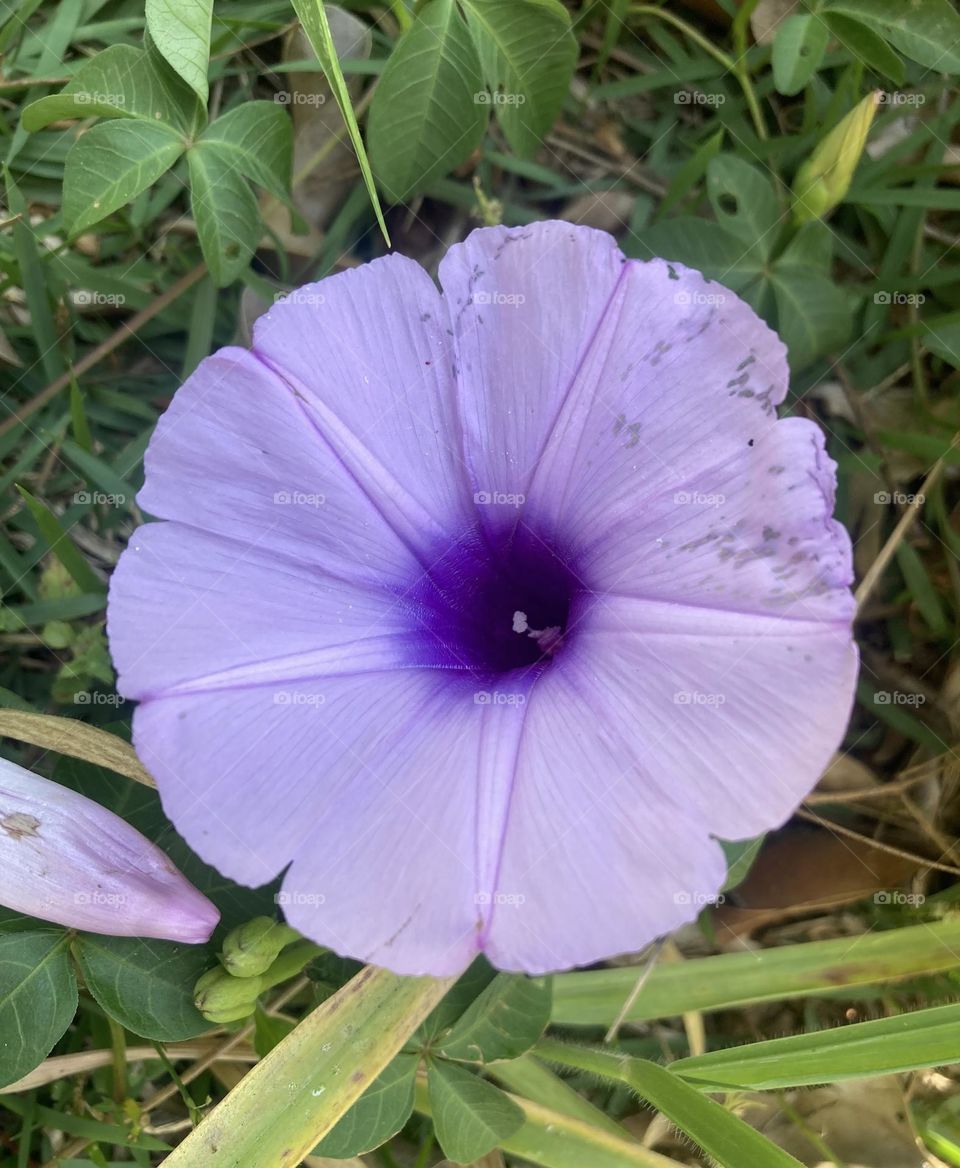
(487, 612)
(64, 858)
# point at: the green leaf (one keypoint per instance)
(296, 1095)
(744, 203)
(502, 1023)
(61, 545)
(708, 247)
(180, 30)
(146, 986)
(728, 1139)
(864, 43)
(119, 82)
(927, 32)
(379, 1113)
(313, 17)
(258, 137)
(111, 164)
(813, 314)
(740, 857)
(426, 116)
(798, 51)
(527, 53)
(470, 1115)
(38, 999)
(596, 997)
(225, 211)
(885, 1046)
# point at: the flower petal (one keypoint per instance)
(524, 305)
(66, 859)
(191, 612)
(369, 358)
(235, 454)
(596, 858)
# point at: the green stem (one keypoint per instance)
(735, 67)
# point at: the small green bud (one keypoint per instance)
(222, 998)
(822, 182)
(252, 948)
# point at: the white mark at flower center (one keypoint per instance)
(549, 639)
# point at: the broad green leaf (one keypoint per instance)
(258, 137)
(502, 1023)
(708, 247)
(180, 31)
(379, 1113)
(885, 1046)
(313, 17)
(798, 51)
(427, 114)
(468, 986)
(556, 1139)
(728, 1139)
(527, 53)
(225, 211)
(926, 32)
(813, 314)
(292, 1098)
(596, 997)
(864, 43)
(146, 985)
(740, 857)
(111, 164)
(691, 172)
(744, 203)
(119, 82)
(61, 545)
(38, 999)
(470, 1116)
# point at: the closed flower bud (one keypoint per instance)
(253, 947)
(824, 179)
(66, 859)
(222, 998)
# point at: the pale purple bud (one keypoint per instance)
(66, 859)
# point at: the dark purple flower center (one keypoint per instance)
(493, 605)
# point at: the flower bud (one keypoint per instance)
(222, 998)
(66, 859)
(252, 948)
(824, 179)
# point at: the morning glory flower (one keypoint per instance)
(485, 614)
(65, 858)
